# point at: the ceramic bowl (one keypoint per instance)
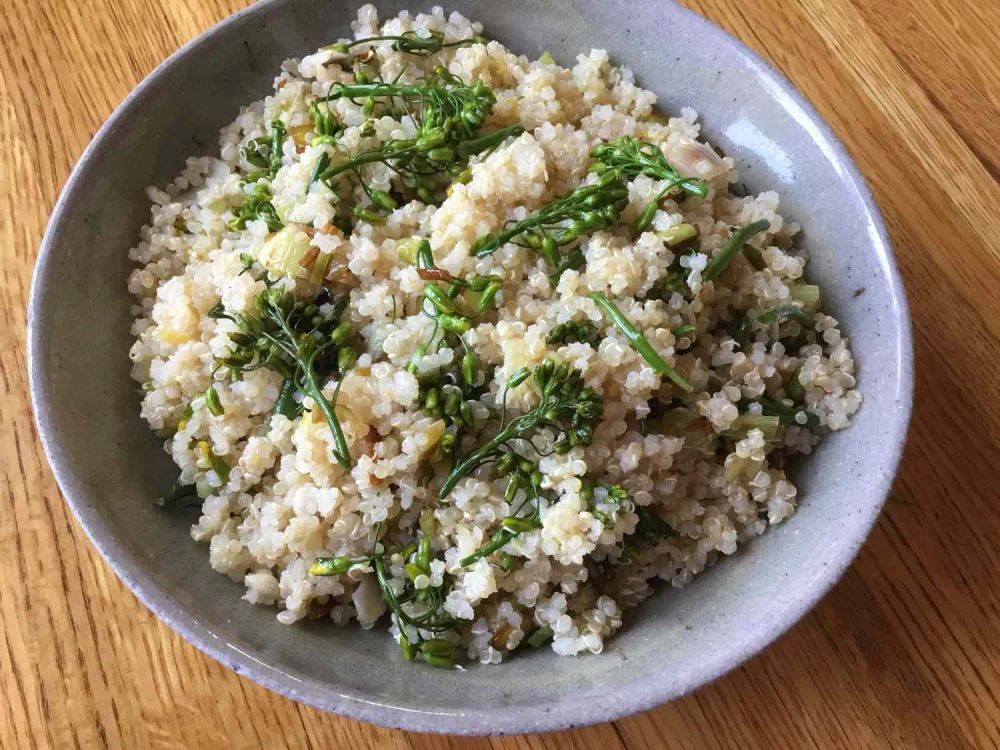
(110, 467)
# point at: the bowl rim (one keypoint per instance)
(534, 718)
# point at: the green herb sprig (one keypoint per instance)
(788, 414)
(256, 206)
(630, 157)
(522, 475)
(254, 156)
(510, 527)
(676, 279)
(561, 223)
(325, 124)
(297, 341)
(721, 260)
(411, 43)
(275, 153)
(651, 528)
(449, 114)
(638, 340)
(413, 610)
(782, 313)
(445, 304)
(565, 404)
(582, 331)
(616, 495)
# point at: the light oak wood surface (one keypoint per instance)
(905, 651)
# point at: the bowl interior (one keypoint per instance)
(111, 467)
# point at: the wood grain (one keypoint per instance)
(903, 653)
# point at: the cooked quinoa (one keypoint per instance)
(685, 388)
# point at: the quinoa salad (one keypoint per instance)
(475, 347)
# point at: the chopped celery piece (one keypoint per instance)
(769, 425)
(807, 294)
(700, 441)
(789, 414)
(678, 418)
(786, 312)
(794, 388)
(539, 637)
(283, 252)
(317, 269)
(735, 465)
(677, 234)
(211, 460)
(407, 250)
(547, 58)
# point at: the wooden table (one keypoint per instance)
(903, 653)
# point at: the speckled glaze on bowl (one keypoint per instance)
(110, 467)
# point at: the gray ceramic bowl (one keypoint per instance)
(110, 467)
